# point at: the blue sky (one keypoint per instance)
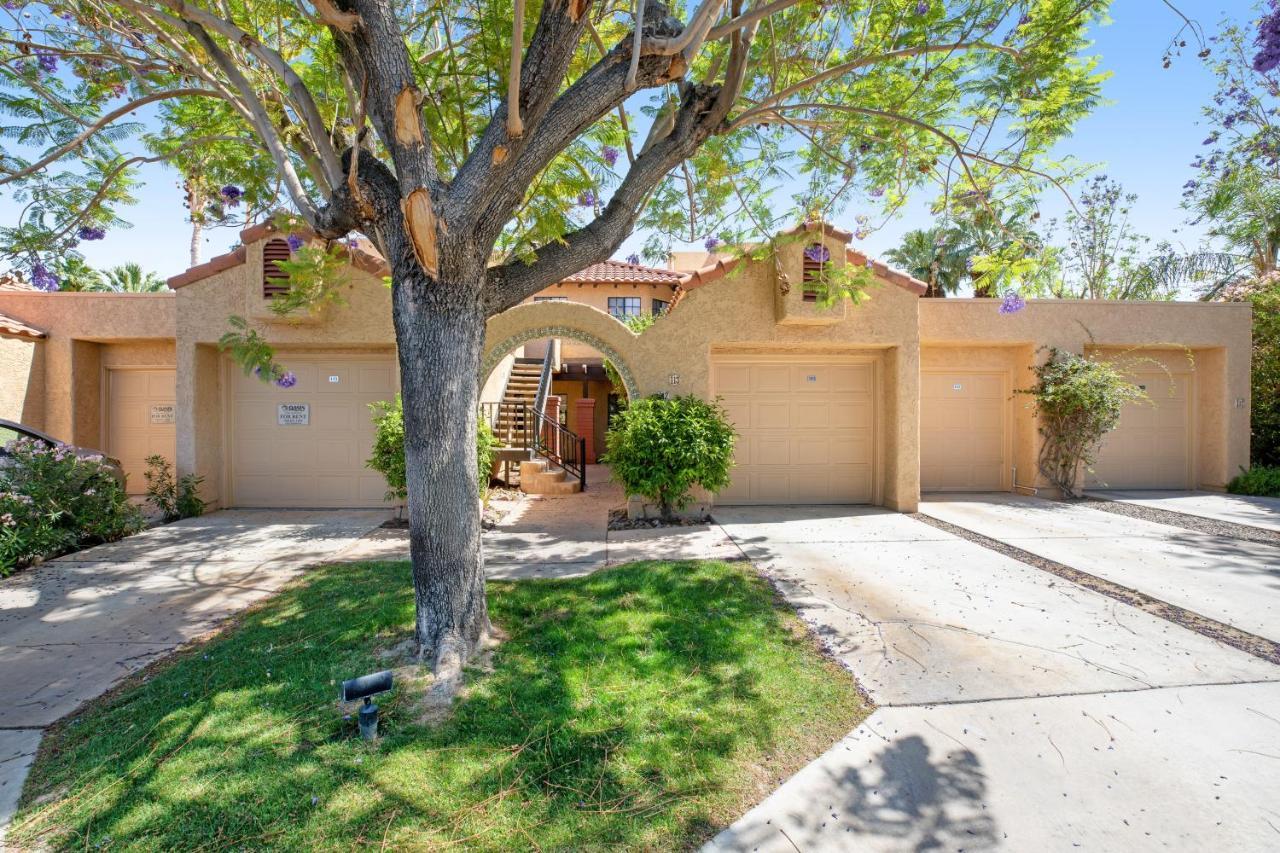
(1144, 137)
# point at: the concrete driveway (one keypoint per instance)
(1017, 710)
(74, 627)
(1231, 580)
(1233, 509)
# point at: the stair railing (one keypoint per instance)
(560, 445)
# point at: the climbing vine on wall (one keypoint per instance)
(1078, 400)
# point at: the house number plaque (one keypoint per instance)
(293, 414)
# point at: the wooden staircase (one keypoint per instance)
(517, 400)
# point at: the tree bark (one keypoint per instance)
(196, 230)
(440, 332)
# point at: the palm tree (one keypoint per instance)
(932, 256)
(75, 274)
(129, 278)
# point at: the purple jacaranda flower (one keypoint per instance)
(11, 6)
(861, 233)
(1012, 302)
(878, 192)
(42, 279)
(287, 379)
(1268, 41)
(922, 8)
(91, 232)
(231, 195)
(47, 61)
(871, 264)
(294, 241)
(710, 243)
(633, 259)
(818, 253)
(610, 155)
(587, 198)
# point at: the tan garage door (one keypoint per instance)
(140, 421)
(306, 446)
(963, 432)
(1151, 446)
(805, 429)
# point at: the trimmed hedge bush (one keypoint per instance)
(388, 449)
(660, 449)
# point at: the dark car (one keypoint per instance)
(10, 431)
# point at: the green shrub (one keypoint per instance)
(53, 502)
(1077, 401)
(388, 449)
(1261, 481)
(1265, 410)
(660, 449)
(173, 499)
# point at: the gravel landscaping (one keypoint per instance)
(1211, 526)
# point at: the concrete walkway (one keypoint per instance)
(74, 627)
(1236, 509)
(566, 536)
(1017, 711)
(1230, 580)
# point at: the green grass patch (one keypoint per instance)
(642, 707)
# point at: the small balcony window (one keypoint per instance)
(660, 307)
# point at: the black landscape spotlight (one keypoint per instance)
(365, 687)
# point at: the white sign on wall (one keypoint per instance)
(163, 414)
(293, 414)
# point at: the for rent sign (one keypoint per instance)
(293, 414)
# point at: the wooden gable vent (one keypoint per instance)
(816, 257)
(275, 281)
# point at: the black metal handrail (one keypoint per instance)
(560, 445)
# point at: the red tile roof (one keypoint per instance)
(363, 256)
(9, 281)
(618, 272)
(12, 326)
(720, 269)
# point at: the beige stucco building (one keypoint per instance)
(866, 403)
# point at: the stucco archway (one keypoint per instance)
(572, 320)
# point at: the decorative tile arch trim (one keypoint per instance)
(496, 352)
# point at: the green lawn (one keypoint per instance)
(642, 707)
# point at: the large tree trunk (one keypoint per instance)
(440, 330)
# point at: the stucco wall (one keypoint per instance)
(597, 296)
(738, 314)
(82, 327)
(1216, 336)
(22, 380)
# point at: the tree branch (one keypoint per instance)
(261, 121)
(102, 122)
(515, 129)
(697, 118)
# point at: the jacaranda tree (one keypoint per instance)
(489, 149)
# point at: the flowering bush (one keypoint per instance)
(53, 501)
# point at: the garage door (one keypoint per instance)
(1151, 446)
(140, 421)
(805, 430)
(306, 446)
(963, 432)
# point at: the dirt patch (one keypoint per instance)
(618, 520)
(1252, 644)
(1199, 524)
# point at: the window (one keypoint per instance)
(623, 307)
(275, 281)
(660, 307)
(816, 257)
(550, 299)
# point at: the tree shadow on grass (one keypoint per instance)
(622, 710)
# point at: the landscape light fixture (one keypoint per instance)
(365, 687)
